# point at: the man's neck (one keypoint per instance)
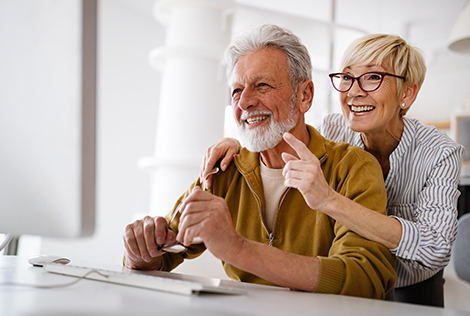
(272, 157)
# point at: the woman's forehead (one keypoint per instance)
(365, 67)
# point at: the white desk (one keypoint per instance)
(99, 298)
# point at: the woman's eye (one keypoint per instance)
(374, 77)
(345, 77)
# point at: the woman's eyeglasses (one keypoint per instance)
(368, 82)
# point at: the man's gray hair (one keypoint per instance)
(272, 36)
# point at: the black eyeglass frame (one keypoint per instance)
(382, 73)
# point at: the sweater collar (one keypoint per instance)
(317, 144)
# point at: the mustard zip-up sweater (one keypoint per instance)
(350, 264)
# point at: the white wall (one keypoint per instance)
(128, 91)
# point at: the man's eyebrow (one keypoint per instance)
(252, 79)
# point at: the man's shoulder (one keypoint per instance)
(348, 151)
(243, 163)
(339, 149)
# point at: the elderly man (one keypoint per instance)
(263, 231)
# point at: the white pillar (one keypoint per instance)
(193, 95)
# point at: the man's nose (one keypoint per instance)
(247, 99)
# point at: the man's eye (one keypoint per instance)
(263, 85)
(236, 91)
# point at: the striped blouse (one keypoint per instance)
(422, 194)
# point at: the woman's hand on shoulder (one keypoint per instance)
(224, 151)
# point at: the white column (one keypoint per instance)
(193, 95)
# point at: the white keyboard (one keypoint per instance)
(146, 281)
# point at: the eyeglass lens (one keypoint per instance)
(367, 82)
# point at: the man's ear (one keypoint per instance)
(305, 96)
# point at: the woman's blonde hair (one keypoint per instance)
(392, 52)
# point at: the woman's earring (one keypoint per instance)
(403, 105)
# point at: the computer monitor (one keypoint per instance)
(48, 117)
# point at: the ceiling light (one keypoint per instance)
(460, 37)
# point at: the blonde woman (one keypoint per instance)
(379, 80)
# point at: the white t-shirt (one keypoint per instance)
(273, 188)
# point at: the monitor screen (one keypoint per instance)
(47, 117)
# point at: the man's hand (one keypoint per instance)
(305, 174)
(141, 241)
(207, 216)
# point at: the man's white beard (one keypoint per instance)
(263, 138)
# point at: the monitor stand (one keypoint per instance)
(12, 248)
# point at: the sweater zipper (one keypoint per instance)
(271, 238)
(271, 235)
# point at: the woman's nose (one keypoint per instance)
(355, 90)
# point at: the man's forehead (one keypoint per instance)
(260, 65)
(239, 77)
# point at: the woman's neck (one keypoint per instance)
(382, 144)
